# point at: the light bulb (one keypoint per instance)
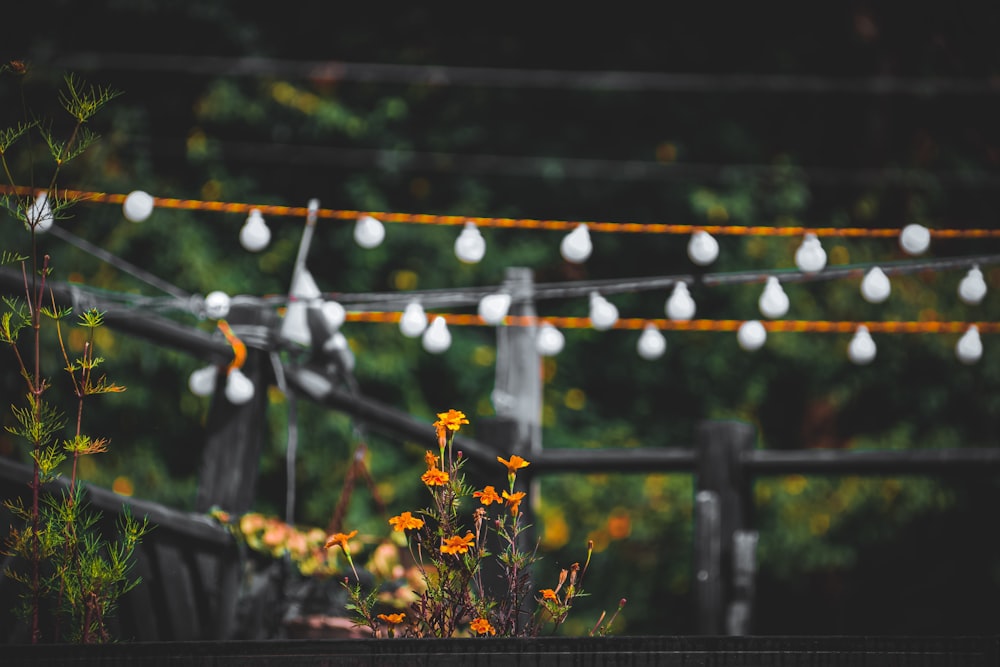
(972, 287)
(680, 305)
(773, 301)
(202, 381)
(494, 307)
(914, 239)
(969, 348)
(138, 206)
(875, 286)
(549, 341)
(334, 314)
(40, 214)
(576, 246)
(414, 320)
(369, 232)
(338, 343)
(861, 349)
(603, 313)
(254, 235)
(751, 335)
(810, 256)
(239, 388)
(295, 326)
(703, 249)
(470, 246)
(217, 305)
(436, 337)
(652, 343)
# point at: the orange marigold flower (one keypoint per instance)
(430, 459)
(482, 627)
(435, 477)
(515, 463)
(513, 500)
(405, 521)
(451, 420)
(488, 495)
(341, 539)
(549, 594)
(457, 545)
(392, 619)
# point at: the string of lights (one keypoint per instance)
(272, 210)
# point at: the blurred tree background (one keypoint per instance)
(772, 119)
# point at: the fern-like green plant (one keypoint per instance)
(63, 561)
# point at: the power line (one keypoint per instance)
(494, 77)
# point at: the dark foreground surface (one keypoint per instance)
(687, 651)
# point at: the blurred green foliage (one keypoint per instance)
(749, 157)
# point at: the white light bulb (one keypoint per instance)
(436, 337)
(334, 314)
(369, 232)
(254, 235)
(680, 305)
(413, 321)
(969, 348)
(972, 288)
(861, 349)
(295, 326)
(751, 335)
(217, 305)
(773, 301)
(138, 206)
(494, 307)
(703, 249)
(239, 388)
(549, 341)
(875, 287)
(810, 256)
(40, 214)
(576, 246)
(652, 343)
(338, 343)
(470, 246)
(914, 239)
(202, 381)
(603, 313)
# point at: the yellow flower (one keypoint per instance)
(515, 463)
(513, 501)
(549, 594)
(488, 495)
(434, 477)
(451, 420)
(482, 627)
(405, 521)
(341, 539)
(392, 619)
(457, 545)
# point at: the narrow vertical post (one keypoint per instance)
(517, 393)
(235, 438)
(723, 539)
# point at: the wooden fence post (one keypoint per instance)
(228, 476)
(724, 542)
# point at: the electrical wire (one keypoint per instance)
(495, 77)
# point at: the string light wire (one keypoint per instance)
(513, 223)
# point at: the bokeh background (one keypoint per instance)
(842, 114)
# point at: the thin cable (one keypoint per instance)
(118, 263)
(494, 77)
